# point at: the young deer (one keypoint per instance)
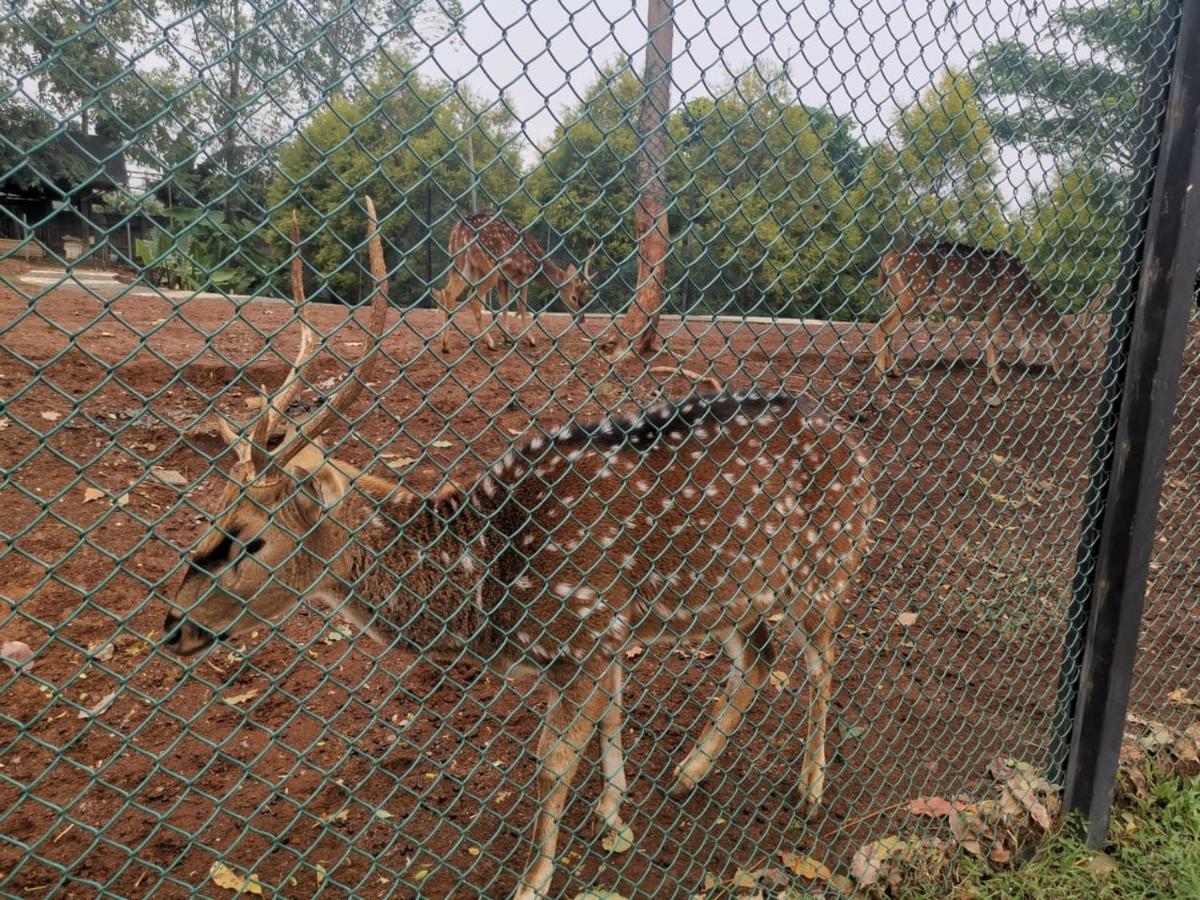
(967, 281)
(488, 253)
(741, 518)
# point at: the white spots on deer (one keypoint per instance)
(489, 486)
(524, 583)
(743, 522)
(536, 444)
(563, 589)
(467, 564)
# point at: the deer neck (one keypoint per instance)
(552, 275)
(413, 571)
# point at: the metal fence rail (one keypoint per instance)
(316, 579)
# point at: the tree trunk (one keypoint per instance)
(653, 236)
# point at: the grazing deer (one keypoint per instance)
(966, 281)
(742, 518)
(488, 253)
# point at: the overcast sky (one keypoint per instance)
(865, 59)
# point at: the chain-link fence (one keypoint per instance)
(284, 613)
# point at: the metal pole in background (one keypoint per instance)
(1170, 258)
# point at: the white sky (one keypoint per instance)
(864, 58)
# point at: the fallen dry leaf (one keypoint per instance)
(600, 895)
(91, 493)
(104, 703)
(867, 863)
(241, 698)
(935, 807)
(399, 462)
(50, 415)
(168, 476)
(779, 679)
(634, 652)
(16, 653)
(1180, 695)
(805, 866)
(224, 877)
(4, 422)
(618, 841)
(441, 445)
(101, 651)
(907, 619)
(123, 501)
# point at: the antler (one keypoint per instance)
(587, 263)
(341, 402)
(276, 411)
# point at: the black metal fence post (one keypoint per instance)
(1170, 258)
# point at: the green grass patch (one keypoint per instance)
(1154, 852)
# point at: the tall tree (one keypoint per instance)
(263, 64)
(72, 65)
(947, 164)
(1075, 93)
(402, 139)
(651, 222)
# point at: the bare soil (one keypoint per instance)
(319, 762)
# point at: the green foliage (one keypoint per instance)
(403, 140)
(203, 250)
(760, 222)
(1076, 94)
(947, 165)
(1075, 235)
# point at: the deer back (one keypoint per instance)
(697, 518)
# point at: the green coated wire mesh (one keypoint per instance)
(1165, 675)
(918, 219)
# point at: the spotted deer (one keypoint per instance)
(738, 517)
(489, 254)
(966, 281)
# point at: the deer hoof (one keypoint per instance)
(683, 786)
(619, 838)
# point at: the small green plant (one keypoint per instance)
(204, 248)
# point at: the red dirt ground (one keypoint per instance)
(274, 756)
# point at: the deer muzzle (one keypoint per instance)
(185, 638)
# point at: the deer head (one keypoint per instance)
(576, 287)
(277, 535)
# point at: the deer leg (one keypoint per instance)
(882, 339)
(748, 671)
(447, 298)
(819, 660)
(612, 761)
(575, 710)
(478, 293)
(992, 325)
(523, 307)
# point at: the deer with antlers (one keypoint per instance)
(967, 281)
(490, 254)
(738, 517)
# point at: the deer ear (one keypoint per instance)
(324, 488)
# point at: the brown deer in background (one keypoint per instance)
(968, 282)
(741, 518)
(488, 253)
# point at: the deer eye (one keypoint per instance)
(254, 546)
